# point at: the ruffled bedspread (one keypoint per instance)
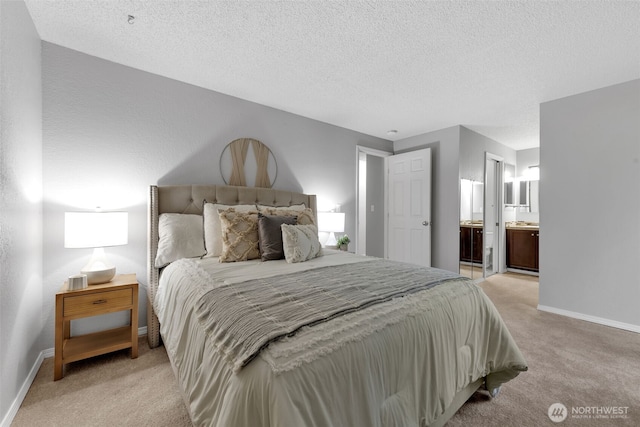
(399, 360)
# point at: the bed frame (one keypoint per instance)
(189, 199)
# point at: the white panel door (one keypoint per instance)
(409, 207)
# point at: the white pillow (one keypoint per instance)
(213, 228)
(180, 237)
(300, 242)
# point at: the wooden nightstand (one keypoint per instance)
(118, 295)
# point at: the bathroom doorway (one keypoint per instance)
(493, 229)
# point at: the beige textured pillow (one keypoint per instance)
(300, 242)
(213, 228)
(239, 236)
(305, 216)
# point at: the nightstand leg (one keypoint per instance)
(59, 341)
(134, 326)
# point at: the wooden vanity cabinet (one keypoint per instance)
(466, 250)
(471, 249)
(477, 245)
(522, 249)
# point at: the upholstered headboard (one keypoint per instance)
(189, 199)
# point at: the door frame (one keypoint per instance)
(499, 203)
(361, 201)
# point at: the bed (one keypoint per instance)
(379, 344)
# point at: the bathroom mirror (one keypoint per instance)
(534, 200)
(509, 187)
(523, 193)
(528, 196)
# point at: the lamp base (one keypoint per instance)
(331, 242)
(98, 269)
(97, 277)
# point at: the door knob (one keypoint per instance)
(425, 223)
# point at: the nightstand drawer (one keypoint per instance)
(100, 302)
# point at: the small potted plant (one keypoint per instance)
(343, 243)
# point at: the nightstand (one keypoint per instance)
(118, 295)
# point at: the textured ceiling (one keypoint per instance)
(369, 66)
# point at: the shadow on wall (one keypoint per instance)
(203, 168)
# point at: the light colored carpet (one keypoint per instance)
(573, 362)
(576, 363)
(108, 390)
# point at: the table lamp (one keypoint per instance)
(331, 222)
(96, 230)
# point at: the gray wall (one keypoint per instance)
(445, 194)
(375, 198)
(110, 131)
(526, 158)
(21, 201)
(590, 167)
(472, 148)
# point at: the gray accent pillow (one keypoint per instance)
(270, 235)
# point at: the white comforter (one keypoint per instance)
(384, 366)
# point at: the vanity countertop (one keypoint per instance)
(475, 224)
(523, 225)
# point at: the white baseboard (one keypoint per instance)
(592, 319)
(13, 409)
(49, 352)
(517, 270)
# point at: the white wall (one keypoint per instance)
(110, 131)
(20, 202)
(590, 158)
(445, 195)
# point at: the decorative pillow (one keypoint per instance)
(239, 236)
(305, 216)
(212, 227)
(300, 242)
(180, 236)
(270, 235)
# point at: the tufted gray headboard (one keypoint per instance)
(189, 199)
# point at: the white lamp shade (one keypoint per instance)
(95, 229)
(331, 221)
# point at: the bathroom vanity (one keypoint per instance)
(522, 246)
(471, 243)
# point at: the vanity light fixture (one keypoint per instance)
(532, 173)
(508, 177)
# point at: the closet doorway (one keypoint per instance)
(370, 201)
